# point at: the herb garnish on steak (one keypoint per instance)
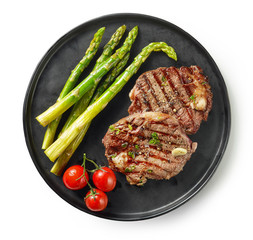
(183, 93)
(150, 145)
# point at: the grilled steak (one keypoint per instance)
(183, 93)
(149, 145)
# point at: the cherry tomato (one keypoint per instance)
(96, 200)
(104, 179)
(72, 178)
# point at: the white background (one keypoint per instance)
(30, 209)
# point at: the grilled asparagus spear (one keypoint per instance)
(72, 97)
(70, 83)
(63, 159)
(82, 104)
(58, 147)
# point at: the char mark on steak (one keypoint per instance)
(183, 93)
(149, 145)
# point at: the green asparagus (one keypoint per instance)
(63, 159)
(70, 83)
(82, 104)
(57, 148)
(110, 46)
(72, 97)
(108, 81)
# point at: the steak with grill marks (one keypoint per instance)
(149, 145)
(183, 93)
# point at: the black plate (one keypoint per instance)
(155, 197)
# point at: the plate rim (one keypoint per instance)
(32, 86)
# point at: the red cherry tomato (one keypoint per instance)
(72, 178)
(96, 200)
(104, 179)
